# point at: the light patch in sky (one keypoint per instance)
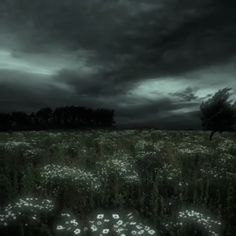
(158, 88)
(42, 64)
(203, 93)
(211, 79)
(7, 61)
(205, 82)
(184, 110)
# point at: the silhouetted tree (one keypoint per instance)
(44, 117)
(57, 117)
(104, 118)
(34, 121)
(20, 121)
(5, 122)
(61, 118)
(64, 117)
(218, 112)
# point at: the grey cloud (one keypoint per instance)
(187, 94)
(155, 35)
(124, 42)
(29, 92)
(97, 84)
(159, 113)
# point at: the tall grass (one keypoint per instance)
(173, 181)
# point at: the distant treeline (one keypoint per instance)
(72, 117)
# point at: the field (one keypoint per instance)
(127, 182)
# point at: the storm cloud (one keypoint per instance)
(152, 61)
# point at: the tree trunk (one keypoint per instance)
(211, 135)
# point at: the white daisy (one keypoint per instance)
(151, 231)
(77, 231)
(105, 231)
(115, 216)
(60, 227)
(94, 228)
(119, 222)
(100, 216)
(99, 222)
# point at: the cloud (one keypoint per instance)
(169, 40)
(154, 37)
(29, 92)
(186, 95)
(104, 53)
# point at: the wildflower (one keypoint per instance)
(99, 222)
(60, 227)
(77, 231)
(151, 231)
(115, 216)
(105, 231)
(100, 216)
(94, 228)
(119, 222)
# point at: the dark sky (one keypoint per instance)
(152, 61)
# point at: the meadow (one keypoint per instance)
(117, 182)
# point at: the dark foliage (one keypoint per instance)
(218, 112)
(61, 118)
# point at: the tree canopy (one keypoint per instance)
(218, 113)
(71, 117)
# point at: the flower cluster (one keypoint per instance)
(146, 155)
(68, 225)
(217, 173)
(32, 153)
(59, 176)
(210, 225)
(117, 224)
(193, 149)
(225, 145)
(147, 146)
(25, 207)
(121, 153)
(225, 159)
(168, 172)
(120, 168)
(12, 145)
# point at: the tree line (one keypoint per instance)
(70, 117)
(218, 114)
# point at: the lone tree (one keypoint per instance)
(218, 113)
